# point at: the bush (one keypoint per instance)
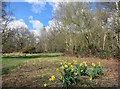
(29, 49)
(116, 53)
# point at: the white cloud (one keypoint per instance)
(30, 17)
(37, 5)
(36, 1)
(31, 1)
(47, 28)
(37, 8)
(36, 24)
(36, 32)
(17, 24)
(21, 20)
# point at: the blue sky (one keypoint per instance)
(23, 10)
(34, 15)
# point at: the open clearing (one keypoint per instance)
(35, 69)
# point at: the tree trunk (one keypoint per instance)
(104, 40)
(66, 42)
(117, 23)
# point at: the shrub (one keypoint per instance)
(116, 53)
(29, 49)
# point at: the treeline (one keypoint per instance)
(86, 29)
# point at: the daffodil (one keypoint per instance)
(75, 74)
(50, 79)
(57, 69)
(65, 62)
(90, 78)
(71, 66)
(45, 85)
(62, 67)
(53, 77)
(81, 70)
(86, 65)
(72, 70)
(69, 63)
(92, 69)
(81, 64)
(75, 63)
(73, 60)
(93, 64)
(66, 66)
(61, 63)
(61, 77)
(84, 62)
(99, 64)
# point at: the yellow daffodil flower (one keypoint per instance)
(86, 65)
(84, 62)
(45, 85)
(75, 63)
(93, 64)
(71, 66)
(90, 78)
(66, 66)
(65, 62)
(81, 64)
(61, 63)
(81, 70)
(75, 74)
(62, 67)
(69, 63)
(50, 79)
(73, 60)
(92, 69)
(57, 69)
(72, 70)
(53, 77)
(99, 64)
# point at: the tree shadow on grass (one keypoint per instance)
(32, 56)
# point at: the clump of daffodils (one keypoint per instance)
(75, 62)
(52, 78)
(71, 71)
(93, 64)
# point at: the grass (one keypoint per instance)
(11, 61)
(31, 55)
(31, 70)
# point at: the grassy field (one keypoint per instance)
(31, 70)
(10, 61)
